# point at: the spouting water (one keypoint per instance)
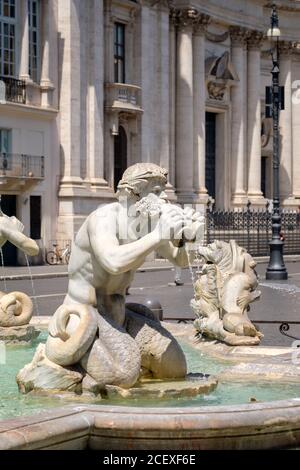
(194, 261)
(3, 270)
(32, 287)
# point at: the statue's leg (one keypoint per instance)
(161, 354)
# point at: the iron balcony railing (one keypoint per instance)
(12, 89)
(21, 166)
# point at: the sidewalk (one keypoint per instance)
(57, 271)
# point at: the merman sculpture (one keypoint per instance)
(95, 339)
(16, 307)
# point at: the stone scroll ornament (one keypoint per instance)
(95, 339)
(223, 293)
(16, 307)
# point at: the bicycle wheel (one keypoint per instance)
(51, 257)
(67, 257)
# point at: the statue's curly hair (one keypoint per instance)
(138, 175)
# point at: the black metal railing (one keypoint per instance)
(15, 89)
(252, 228)
(21, 166)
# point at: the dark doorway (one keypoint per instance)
(120, 153)
(210, 153)
(35, 217)
(9, 207)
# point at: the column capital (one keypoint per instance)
(255, 39)
(200, 23)
(183, 18)
(286, 47)
(238, 36)
(162, 4)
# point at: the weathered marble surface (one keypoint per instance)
(18, 334)
(223, 292)
(43, 374)
(191, 386)
(262, 372)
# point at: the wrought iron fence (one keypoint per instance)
(21, 166)
(15, 90)
(252, 228)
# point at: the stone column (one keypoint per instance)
(109, 44)
(254, 118)
(70, 96)
(199, 106)
(164, 101)
(184, 107)
(144, 80)
(296, 127)
(24, 37)
(238, 37)
(285, 123)
(172, 92)
(49, 52)
(95, 120)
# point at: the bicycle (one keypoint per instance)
(58, 255)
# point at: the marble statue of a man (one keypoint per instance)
(111, 342)
(109, 247)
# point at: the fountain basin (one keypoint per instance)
(255, 426)
(243, 418)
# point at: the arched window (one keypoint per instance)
(120, 153)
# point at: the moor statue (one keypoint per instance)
(94, 334)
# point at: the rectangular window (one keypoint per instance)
(34, 38)
(35, 217)
(5, 156)
(7, 37)
(119, 52)
(4, 141)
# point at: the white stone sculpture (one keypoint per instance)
(16, 307)
(223, 293)
(94, 333)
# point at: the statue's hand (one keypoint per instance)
(171, 222)
(193, 224)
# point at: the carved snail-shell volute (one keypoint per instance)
(72, 330)
(15, 309)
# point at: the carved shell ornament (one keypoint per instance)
(220, 75)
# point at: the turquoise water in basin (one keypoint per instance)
(12, 403)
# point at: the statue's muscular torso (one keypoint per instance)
(89, 282)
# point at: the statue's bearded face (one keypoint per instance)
(154, 186)
(151, 197)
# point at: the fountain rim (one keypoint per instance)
(254, 425)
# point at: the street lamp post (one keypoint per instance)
(276, 269)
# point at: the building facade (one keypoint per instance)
(89, 87)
